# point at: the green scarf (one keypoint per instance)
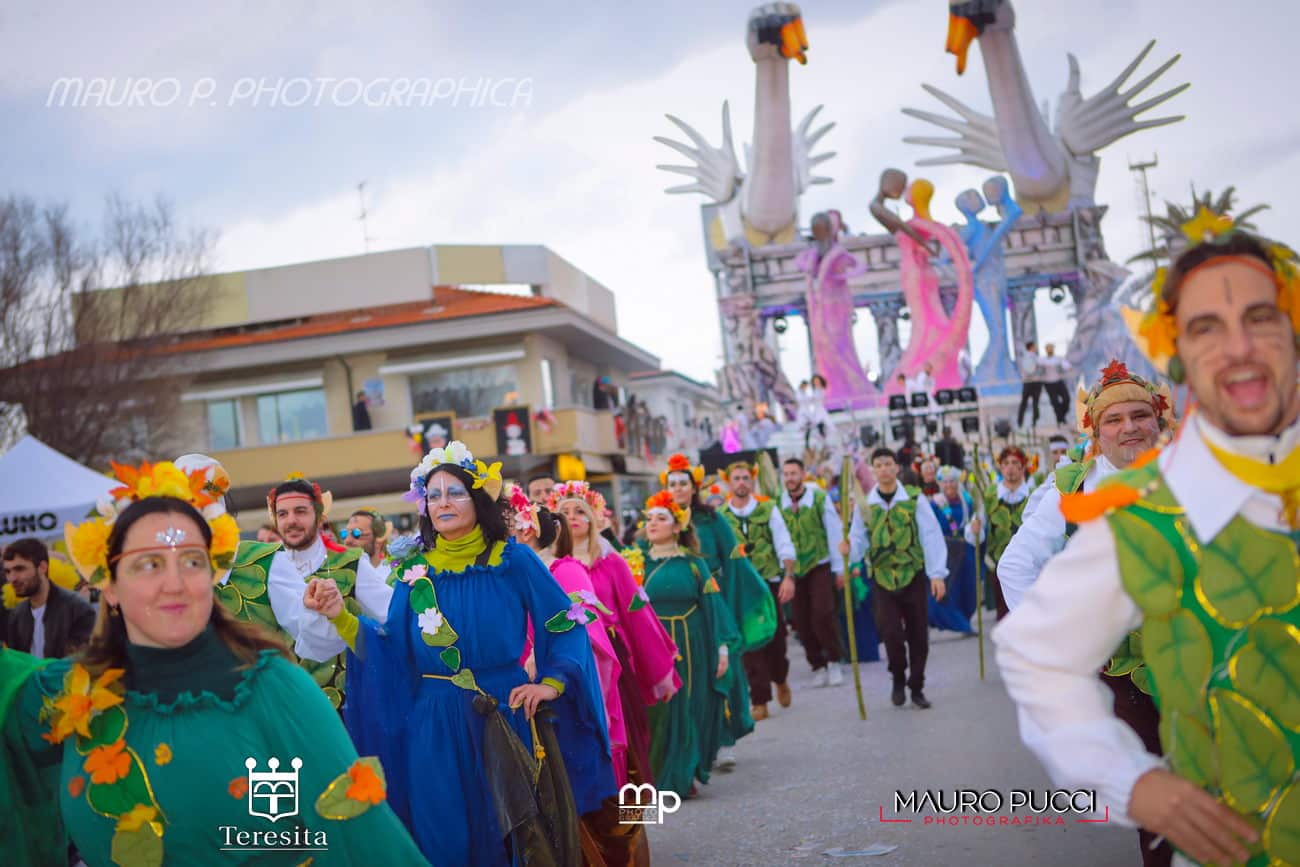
(457, 555)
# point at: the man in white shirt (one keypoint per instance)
(914, 549)
(1032, 387)
(1125, 414)
(1052, 370)
(1199, 551)
(759, 526)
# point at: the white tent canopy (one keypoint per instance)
(41, 489)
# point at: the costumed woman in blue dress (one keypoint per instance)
(439, 693)
(953, 507)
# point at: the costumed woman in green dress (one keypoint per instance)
(686, 731)
(169, 739)
(744, 591)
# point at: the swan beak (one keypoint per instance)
(794, 42)
(961, 33)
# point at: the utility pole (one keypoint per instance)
(1142, 168)
(365, 232)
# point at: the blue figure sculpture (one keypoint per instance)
(996, 371)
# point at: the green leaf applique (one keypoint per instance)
(1255, 760)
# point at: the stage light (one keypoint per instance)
(905, 314)
(944, 396)
(898, 431)
(970, 424)
(932, 426)
(870, 436)
(898, 402)
(968, 394)
(1056, 293)
(780, 324)
(920, 400)
(1002, 427)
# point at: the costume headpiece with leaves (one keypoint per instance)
(577, 490)
(1118, 385)
(664, 502)
(323, 500)
(679, 463)
(87, 542)
(1156, 330)
(456, 454)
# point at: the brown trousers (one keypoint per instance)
(769, 664)
(1139, 712)
(814, 616)
(903, 621)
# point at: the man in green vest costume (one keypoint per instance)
(1198, 550)
(905, 545)
(1004, 509)
(817, 533)
(266, 584)
(758, 524)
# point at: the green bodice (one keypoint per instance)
(245, 596)
(895, 554)
(808, 532)
(1221, 637)
(1003, 521)
(755, 530)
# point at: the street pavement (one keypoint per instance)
(813, 779)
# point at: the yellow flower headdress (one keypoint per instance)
(679, 463)
(87, 542)
(1156, 331)
(663, 501)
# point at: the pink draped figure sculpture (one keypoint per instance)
(937, 338)
(830, 313)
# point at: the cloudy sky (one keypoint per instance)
(567, 160)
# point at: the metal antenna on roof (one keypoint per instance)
(365, 232)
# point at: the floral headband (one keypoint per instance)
(679, 463)
(525, 510)
(457, 454)
(575, 491)
(322, 499)
(1118, 385)
(1158, 331)
(664, 502)
(88, 541)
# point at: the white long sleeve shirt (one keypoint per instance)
(781, 540)
(1007, 496)
(928, 530)
(315, 638)
(1072, 619)
(830, 522)
(1041, 535)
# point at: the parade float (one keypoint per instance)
(1047, 235)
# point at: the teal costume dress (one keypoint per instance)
(685, 732)
(158, 772)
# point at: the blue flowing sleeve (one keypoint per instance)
(566, 657)
(381, 688)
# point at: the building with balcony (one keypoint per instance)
(509, 348)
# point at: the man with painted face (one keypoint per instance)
(1197, 550)
(1125, 415)
(1004, 509)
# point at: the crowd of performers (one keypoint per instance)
(481, 691)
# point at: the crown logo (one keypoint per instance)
(275, 791)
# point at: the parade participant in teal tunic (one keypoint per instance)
(1199, 550)
(743, 590)
(486, 767)
(685, 732)
(160, 741)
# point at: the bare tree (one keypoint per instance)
(87, 325)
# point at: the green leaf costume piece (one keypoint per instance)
(895, 552)
(755, 530)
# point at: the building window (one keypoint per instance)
(468, 392)
(289, 416)
(223, 424)
(548, 385)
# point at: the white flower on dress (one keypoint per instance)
(430, 621)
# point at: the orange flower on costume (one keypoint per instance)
(1081, 507)
(81, 700)
(76, 786)
(366, 785)
(162, 755)
(108, 764)
(238, 788)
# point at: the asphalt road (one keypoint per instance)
(813, 778)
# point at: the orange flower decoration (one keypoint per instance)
(1081, 507)
(76, 786)
(162, 755)
(81, 701)
(108, 764)
(366, 785)
(238, 788)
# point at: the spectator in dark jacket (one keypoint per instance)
(49, 622)
(949, 451)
